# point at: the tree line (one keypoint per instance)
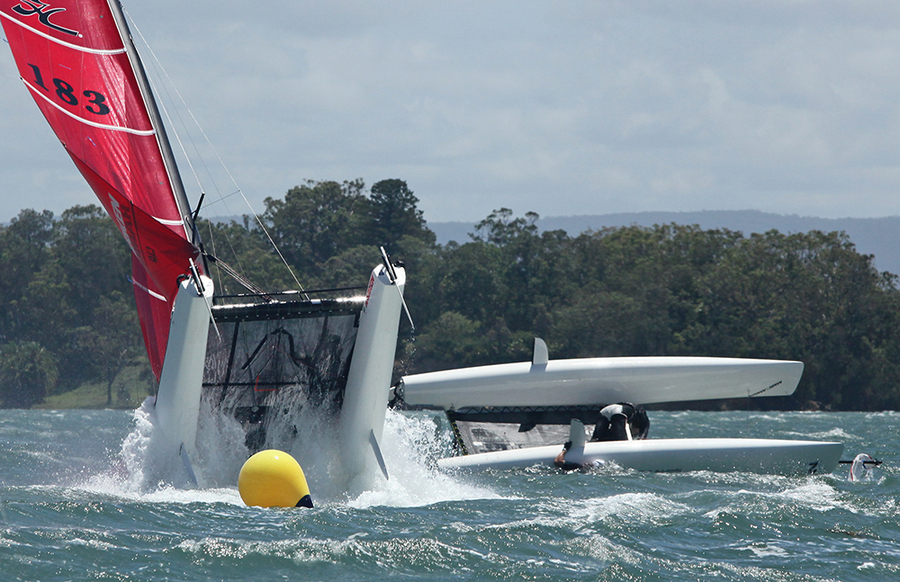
(67, 314)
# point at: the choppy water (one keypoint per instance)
(71, 509)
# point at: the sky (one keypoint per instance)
(560, 108)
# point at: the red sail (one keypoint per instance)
(74, 60)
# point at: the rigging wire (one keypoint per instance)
(162, 71)
(163, 88)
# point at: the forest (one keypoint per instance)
(67, 316)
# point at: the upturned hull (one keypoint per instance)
(767, 456)
(593, 381)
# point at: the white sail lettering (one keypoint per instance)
(120, 222)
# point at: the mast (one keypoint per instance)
(181, 200)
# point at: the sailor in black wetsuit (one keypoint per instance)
(618, 422)
(621, 422)
(640, 424)
(561, 462)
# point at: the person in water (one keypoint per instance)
(617, 422)
(561, 462)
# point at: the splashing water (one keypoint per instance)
(135, 446)
(412, 443)
(136, 474)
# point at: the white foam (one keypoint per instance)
(816, 495)
(140, 471)
(119, 487)
(411, 446)
(813, 493)
(765, 550)
(836, 433)
(135, 447)
(640, 507)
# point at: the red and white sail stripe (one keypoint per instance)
(76, 60)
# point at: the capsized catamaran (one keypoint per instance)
(333, 352)
(518, 415)
(77, 60)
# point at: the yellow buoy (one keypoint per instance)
(273, 478)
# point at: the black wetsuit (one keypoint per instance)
(614, 421)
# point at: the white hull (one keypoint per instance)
(177, 402)
(768, 456)
(598, 381)
(369, 379)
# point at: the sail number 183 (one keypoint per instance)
(96, 102)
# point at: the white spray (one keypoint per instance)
(412, 443)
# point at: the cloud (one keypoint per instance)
(558, 107)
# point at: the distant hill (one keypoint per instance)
(873, 236)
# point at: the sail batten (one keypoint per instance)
(149, 291)
(78, 62)
(36, 93)
(76, 47)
